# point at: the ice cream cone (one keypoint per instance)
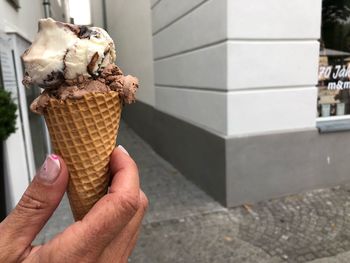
(83, 131)
(82, 100)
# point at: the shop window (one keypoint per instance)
(334, 61)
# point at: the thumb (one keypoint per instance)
(37, 203)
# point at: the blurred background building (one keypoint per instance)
(231, 92)
(25, 149)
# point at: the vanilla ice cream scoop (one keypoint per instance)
(63, 51)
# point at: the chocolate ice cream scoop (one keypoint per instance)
(110, 78)
(63, 51)
(69, 61)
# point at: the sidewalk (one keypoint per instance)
(183, 224)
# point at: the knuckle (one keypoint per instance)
(31, 202)
(130, 203)
(133, 165)
(144, 201)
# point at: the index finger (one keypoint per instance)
(123, 170)
(111, 213)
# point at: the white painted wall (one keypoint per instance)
(21, 26)
(257, 112)
(274, 19)
(129, 24)
(262, 56)
(60, 10)
(154, 2)
(266, 64)
(272, 65)
(22, 21)
(19, 45)
(18, 168)
(174, 11)
(205, 68)
(206, 109)
(18, 153)
(96, 13)
(190, 61)
(205, 25)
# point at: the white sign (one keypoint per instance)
(338, 76)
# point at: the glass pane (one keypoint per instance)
(334, 61)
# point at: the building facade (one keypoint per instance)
(236, 103)
(25, 149)
(240, 97)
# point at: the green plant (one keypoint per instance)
(7, 115)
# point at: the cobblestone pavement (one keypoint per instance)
(183, 224)
(299, 228)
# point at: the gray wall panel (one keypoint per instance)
(203, 26)
(167, 11)
(197, 153)
(205, 68)
(264, 167)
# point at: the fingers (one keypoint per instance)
(109, 215)
(122, 201)
(123, 169)
(131, 246)
(122, 245)
(36, 205)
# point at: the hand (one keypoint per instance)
(108, 233)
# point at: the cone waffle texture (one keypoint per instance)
(83, 131)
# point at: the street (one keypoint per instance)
(183, 224)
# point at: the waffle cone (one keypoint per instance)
(83, 131)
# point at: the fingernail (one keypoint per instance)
(123, 149)
(50, 170)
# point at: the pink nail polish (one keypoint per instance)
(123, 149)
(50, 170)
(55, 157)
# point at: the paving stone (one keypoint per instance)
(341, 258)
(183, 224)
(206, 238)
(170, 194)
(299, 228)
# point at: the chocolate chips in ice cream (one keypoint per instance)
(85, 32)
(69, 61)
(110, 79)
(71, 50)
